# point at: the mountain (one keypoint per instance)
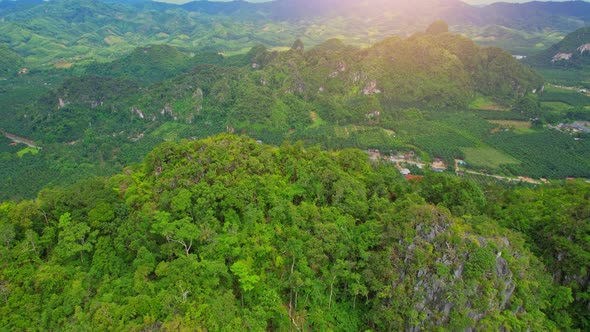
(237, 9)
(18, 5)
(572, 52)
(529, 16)
(425, 10)
(63, 32)
(494, 24)
(437, 94)
(277, 90)
(532, 16)
(228, 233)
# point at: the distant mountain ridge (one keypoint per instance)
(98, 29)
(568, 15)
(509, 14)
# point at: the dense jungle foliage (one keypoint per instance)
(229, 234)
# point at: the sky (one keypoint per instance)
(485, 2)
(472, 2)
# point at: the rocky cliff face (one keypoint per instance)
(449, 272)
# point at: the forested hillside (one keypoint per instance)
(10, 62)
(570, 53)
(435, 93)
(342, 84)
(230, 234)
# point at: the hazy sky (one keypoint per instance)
(473, 2)
(483, 2)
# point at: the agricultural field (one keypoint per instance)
(517, 126)
(485, 104)
(557, 106)
(565, 94)
(486, 157)
(544, 153)
(564, 104)
(566, 77)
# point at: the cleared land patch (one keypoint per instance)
(486, 104)
(26, 150)
(517, 126)
(487, 157)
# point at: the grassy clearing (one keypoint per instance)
(484, 103)
(521, 127)
(169, 131)
(487, 157)
(26, 150)
(63, 65)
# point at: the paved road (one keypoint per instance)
(397, 161)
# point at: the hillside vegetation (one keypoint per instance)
(400, 94)
(10, 62)
(229, 234)
(573, 52)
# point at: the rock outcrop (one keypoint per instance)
(561, 56)
(584, 48)
(449, 274)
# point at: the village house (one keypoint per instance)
(438, 165)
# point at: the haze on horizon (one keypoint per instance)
(471, 2)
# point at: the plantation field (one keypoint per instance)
(564, 102)
(555, 105)
(567, 95)
(487, 157)
(566, 76)
(511, 123)
(515, 125)
(485, 104)
(546, 153)
(495, 115)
